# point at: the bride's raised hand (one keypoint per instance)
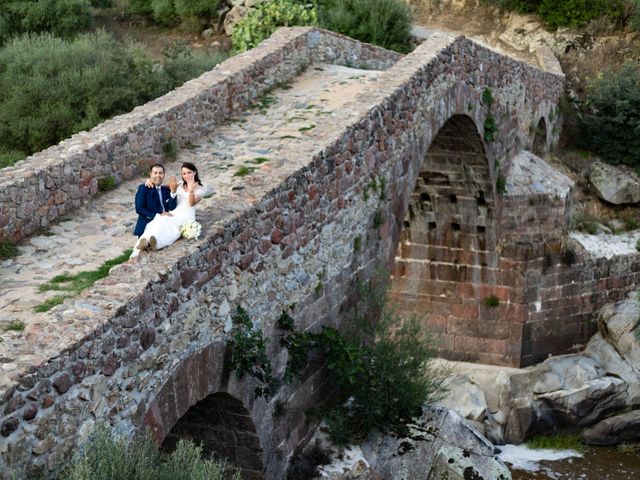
(149, 184)
(191, 182)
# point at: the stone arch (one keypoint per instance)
(539, 145)
(224, 428)
(446, 259)
(202, 402)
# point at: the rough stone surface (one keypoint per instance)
(613, 430)
(613, 185)
(311, 191)
(440, 445)
(586, 391)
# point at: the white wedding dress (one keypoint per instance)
(165, 228)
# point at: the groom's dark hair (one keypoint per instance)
(156, 165)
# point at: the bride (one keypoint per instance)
(164, 229)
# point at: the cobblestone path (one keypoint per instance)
(261, 139)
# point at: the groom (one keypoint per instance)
(154, 201)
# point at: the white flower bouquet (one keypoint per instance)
(190, 229)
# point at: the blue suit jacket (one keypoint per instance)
(148, 205)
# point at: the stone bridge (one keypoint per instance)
(360, 157)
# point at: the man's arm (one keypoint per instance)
(172, 201)
(141, 204)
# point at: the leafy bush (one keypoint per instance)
(573, 13)
(107, 458)
(386, 23)
(561, 13)
(380, 385)
(611, 125)
(171, 12)
(266, 18)
(51, 88)
(63, 18)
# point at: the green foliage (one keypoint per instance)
(265, 19)
(15, 326)
(196, 13)
(7, 250)
(491, 301)
(249, 353)
(520, 6)
(378, 219)
(243, 171)
(82, 280)
(386, 23)
(385, 383)
(51, 88)
(63, 18)
(574, 13)
(561, 13)
(357, 244)
(501, 184)
(490, 129)
(196, 8)
(557, 442)
(9, 158)
(612, 124)
(105, 184)
(584, 222)
(50, 303)
(107, 458)
(487, 97)
(638, 245)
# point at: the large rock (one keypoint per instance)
(440, 444)
(613, 185)
(610, 431)
(619, 323)
(236, 14)
(587, 404)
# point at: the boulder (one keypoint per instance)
(234, 15)
(526, 419)
(610, 431)
(465, 398)
(614, 185)
(589, 403)
(439, 444)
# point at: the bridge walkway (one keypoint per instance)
(263, 138)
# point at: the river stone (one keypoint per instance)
(440, 444)
(589, 403)
(614, 185)
(610, 431)
(465, 398)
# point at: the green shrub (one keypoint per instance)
(566, 13)
(107, 458)
(196, 8)
(63, 18)
(385, 383)
(249, 353)
(585, 222)
(386, 23)
(7, 250)
(9, 158)
(611, 125)
(51, 88)
(266, 18)
(574, 13)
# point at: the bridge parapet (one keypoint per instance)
(50, 183)
(132, 351)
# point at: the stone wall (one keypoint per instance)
(36, 191)
(147, 343)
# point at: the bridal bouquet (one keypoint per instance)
(190, 229)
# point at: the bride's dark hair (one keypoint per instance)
(193, 168)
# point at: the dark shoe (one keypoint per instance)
(153, 242)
